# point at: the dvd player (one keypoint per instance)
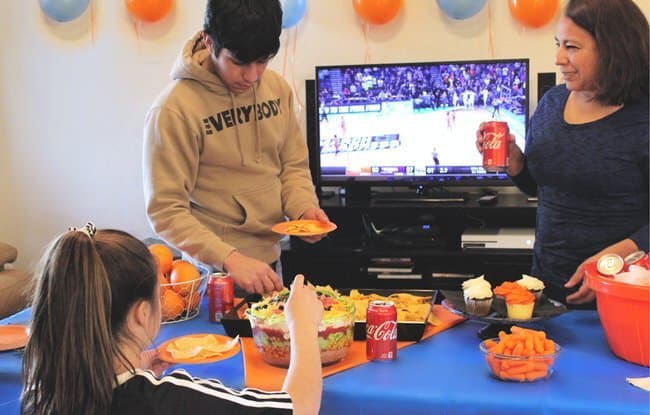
(498, 238)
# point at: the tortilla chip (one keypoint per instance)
(199, 347)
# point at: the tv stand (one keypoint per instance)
(417, 239)
(420, 194)
(419, 197)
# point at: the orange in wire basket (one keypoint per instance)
(184, 274)
(171, 304)
(164, 257)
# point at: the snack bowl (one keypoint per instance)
(271, 332)
(519, 368)
(624, 312)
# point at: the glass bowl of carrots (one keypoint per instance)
(523, 355)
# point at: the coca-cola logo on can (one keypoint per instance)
(385, 331)
(495, 146)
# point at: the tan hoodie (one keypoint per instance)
(220, 169)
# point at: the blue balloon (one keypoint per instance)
(292, 12)
(461, 9)
(63, 10)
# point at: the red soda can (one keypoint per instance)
(639, 258)
(495, 146)
(610, 264)
(381, 331)
(221, 295)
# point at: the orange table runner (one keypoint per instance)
(259, 374)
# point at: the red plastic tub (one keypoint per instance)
(624, 311)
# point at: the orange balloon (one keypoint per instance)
(533, 13)
(377, 11)
(149, 10)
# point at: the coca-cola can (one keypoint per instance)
(610, 264)
(221, 295)
(381, 331)
(495, 146)
(639, 258)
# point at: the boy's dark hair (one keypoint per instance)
(621, 32)
(249, 29)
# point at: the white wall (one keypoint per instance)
(72, 104)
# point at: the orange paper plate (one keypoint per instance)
(13, 337)
(303, 227)
(166, 356)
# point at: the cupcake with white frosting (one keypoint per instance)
(532, 284)
(478, 296)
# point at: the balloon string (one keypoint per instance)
(92, 21)
(490, 35)
(136, 27)
(365, 28)
(286, 48)
(293, 74)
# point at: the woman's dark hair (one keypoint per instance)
(621, 32)
(85, 287)
(249, 29)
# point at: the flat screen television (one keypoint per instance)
(413, 124)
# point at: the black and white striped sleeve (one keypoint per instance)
(179, 392)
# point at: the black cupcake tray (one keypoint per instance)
(544, 309)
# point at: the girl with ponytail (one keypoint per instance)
(96, 311)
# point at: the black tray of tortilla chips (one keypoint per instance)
(406, 330)
(235, 322)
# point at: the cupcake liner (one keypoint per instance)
(478, 306)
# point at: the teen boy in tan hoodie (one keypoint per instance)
(224, 157)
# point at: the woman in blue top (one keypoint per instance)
(586, 156)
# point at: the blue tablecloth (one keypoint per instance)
(445, 374)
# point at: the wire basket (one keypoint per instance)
(181, 301)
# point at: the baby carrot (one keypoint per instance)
(549, 346)
(506, 376)
(540, 366)
(536, 374)
(519, 368)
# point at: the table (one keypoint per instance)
(445, 374)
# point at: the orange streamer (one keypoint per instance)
(136, 27)
(92, 21)
(284, 57)
(490, 34)
(365, 28)
(293, 74)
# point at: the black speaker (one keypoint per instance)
(313, 142)
(545, 81)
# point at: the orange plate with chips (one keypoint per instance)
(303, 227)
(198, 348)
(13, 336)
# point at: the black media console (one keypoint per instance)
(388, 242)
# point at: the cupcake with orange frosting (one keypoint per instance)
(518, 300)
(520, 304)
(532, 284)
(500, 292)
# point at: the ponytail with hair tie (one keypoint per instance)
(89, 229)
